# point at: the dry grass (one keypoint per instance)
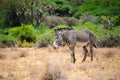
(110, 53)
(52, 72)
(2, 56)
(50, 64)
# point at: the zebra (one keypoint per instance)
(71, 37)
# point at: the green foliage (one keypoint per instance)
(12, 18)
(43, 29)
(114, 20)
(89, 18)
(6, 9)
(10, 38)
(2, 37)
(27, 44)
(52, 21)
(62, 8)
(5, 38)
(14, 13)
(114, 32)
(4, 31)
(61, 26)
(24, 32)
(44, 39)
(34, 10)
(44, 36)
(98, 7)
(90, 12)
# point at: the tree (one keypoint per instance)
(7, 13)
(25, 11)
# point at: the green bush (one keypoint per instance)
(27, 44)
(45, 39)
(61, 26)
(24, 32)
(62, 8)
(52, 21)
(4, 31)
(89, 18)
(44, 36)
(70, 21)
(2, 37)
(7, 40)
(114, 32)
(98, 8)
(10, 38)
(42, 29)
(110, 21)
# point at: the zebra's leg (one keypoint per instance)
(72, 53)
(85, 53)
(86, 45)
(91, 51)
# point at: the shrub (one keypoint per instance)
(7, 41)
(89, 18)
(52, 21)
(24, 35)
(4, 35)
(44, 40)
(2, 56)
(110, 42)
(44, 36)
(24, 32)
(42, 29)
(110, 53)
(112, 37)
(26, 44)
(61, 26)
(52, 71)
(109, 22)
(71, 21)
(63, 8)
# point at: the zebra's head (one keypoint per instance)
(58, 39)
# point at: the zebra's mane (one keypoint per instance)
(62, 29)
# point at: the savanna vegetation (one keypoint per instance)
(30, 23)
(27, 23)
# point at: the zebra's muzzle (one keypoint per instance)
(55, 46)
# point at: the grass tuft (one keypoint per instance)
(2, 56)
(109, 54)
(52, 72)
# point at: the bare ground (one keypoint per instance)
(51, 64)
